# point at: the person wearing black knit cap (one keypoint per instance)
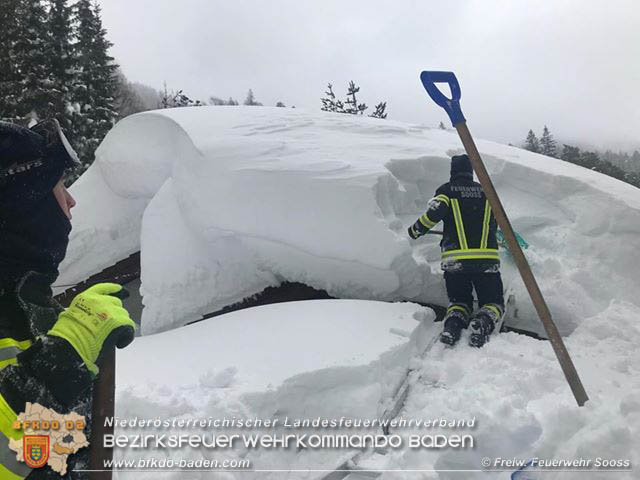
(48, 355)
(470, 258)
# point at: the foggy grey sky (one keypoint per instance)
(573, 65)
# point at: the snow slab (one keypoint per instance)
(267, 345)
(226, 201)
(320, 358)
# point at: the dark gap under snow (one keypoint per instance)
(127, 273)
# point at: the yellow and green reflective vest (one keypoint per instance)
(469, 242)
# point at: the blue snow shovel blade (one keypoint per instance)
(450, 105)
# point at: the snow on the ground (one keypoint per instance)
(523, 405)
(226, 201)
(334, 358)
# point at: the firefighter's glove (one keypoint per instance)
(95, 322)
(412, 233)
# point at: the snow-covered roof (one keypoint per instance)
(224, 201)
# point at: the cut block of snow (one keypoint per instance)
(266, 345)
(299, 360)
(222, 267)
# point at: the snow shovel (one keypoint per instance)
(452, 107)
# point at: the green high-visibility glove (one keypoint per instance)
(95, 319)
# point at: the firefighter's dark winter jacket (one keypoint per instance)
(34, 367)
(469, 242)
(37, 368)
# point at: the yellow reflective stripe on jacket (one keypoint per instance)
(457, 216)
(10, 467)
(485, 225)
(10, 342)
(443, 198)
(9, 361)
(472, 254)
(7, 417)
(9, 350)
(426, 221)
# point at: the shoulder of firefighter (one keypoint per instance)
(469, 241)
(49, 356)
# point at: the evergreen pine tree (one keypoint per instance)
(353, 107)
(350, 105)
(166, 98)
(171, 99)
(97, 83)
(29, 96)
(60, 64)
(570, 154)
(589, 160)
(251, 100)
(532, 144)
(380, 111)
(9, 78)
(329, 103)
(634, 161)
(547, 143)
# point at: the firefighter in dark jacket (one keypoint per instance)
(48, 355)
(469, 254)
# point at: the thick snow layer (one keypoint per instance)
(106, 229)
(225, 201)
(327, 358)
(330, 359)
(272, 343)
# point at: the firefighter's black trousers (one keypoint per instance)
(488, 287)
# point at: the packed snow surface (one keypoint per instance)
(223, 202)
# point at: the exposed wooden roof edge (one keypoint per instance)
(124, 271)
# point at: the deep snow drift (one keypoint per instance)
(226, 201)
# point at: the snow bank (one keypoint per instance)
(225, 201)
